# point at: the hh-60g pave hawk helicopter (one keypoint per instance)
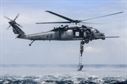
(83, 33)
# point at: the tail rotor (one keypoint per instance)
(15, 26)
(12, 21)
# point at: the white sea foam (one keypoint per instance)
(62, 75)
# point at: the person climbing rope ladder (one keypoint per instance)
(81, 53)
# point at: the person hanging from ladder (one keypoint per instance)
(81, 53)
(81, 48)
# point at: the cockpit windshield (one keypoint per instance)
(94, 30)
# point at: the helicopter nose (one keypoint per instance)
(102, 36)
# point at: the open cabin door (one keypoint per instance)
(78, 33)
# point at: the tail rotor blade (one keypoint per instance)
(16, 17)
(7, 18)
(8, 27)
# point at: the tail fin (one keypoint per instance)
(16, 27)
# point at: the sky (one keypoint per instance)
(17, 51)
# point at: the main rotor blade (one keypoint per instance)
(102, 16)
(111, 36)
(66, 18)
(52, 22)
(90, 23)
(7, 18)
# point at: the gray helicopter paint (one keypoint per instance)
(66, 35)
(51, 35)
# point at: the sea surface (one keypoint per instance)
(62, 74)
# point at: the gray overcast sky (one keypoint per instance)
(16, 51)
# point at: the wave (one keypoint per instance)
(40, 75)
(61, 79)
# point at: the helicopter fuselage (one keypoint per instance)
(65, 35)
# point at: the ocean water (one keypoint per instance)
(62, 74)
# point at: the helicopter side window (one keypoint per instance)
(84, 34)
(76, 34)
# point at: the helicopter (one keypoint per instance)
(83, 33)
